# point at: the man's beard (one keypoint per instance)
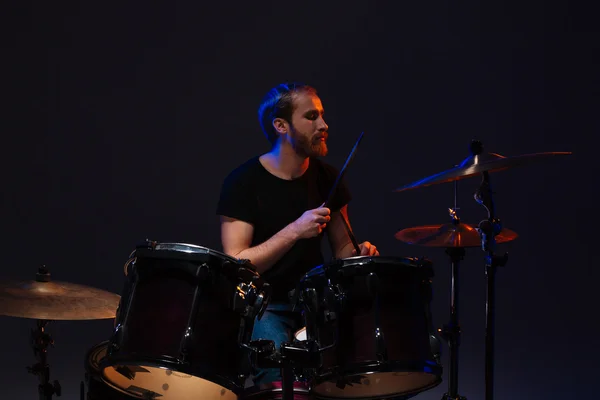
(311, 146)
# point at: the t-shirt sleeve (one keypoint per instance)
(236, 199)
(342, 195)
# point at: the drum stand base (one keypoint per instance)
(451, 332)
(40, 341)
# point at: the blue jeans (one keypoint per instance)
(278, 323)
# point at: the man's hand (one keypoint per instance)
(366, 249)
(312, 222)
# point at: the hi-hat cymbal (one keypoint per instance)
(449, 235)
(55, 301)
(476, 164)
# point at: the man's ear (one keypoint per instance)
(280, 125)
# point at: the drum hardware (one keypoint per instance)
(433, 236)
(44, 301)
(489, 228)
(451, 332)
(40, 340)
(304, 354)
(295, 354)
(358, 309)
(178, 292)
(475, 164)
(457, 236)
(450, 235)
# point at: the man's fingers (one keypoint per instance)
(323, 211)
(322, 219)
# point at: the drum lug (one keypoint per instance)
(263, 301)
(185, 344)
(334, 298)
(241, 298)
(117, 335)
(374, 287)
(249, 301)
(203, 271)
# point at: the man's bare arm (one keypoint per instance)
(236, 237)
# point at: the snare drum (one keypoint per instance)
(373, 314)
(185, 318)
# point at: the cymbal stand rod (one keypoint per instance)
(455, 195)
(451, 332)
(488, 229)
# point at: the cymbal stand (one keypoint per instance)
(451, 331)
(40, 341)
(488, 229)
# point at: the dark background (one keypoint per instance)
(120, 121)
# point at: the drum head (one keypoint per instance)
(158, 382)
(195, 254)
(150, 382)
(377, 385)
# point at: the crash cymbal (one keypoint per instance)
(449, 235)
(476, 164)
(55, 301)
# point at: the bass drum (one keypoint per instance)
(372, 317)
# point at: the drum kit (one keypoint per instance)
(183, 322)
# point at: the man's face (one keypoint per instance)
(308, 130)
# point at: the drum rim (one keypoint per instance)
(347, 262)
(189, 248)
(90, 356)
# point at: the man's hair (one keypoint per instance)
(279, 103)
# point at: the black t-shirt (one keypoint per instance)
(252, 194)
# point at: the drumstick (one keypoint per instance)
(343, 171)
(334, 188)
(352, 238)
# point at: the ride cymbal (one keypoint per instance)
(449, 235)
(476, 164)
(55, 301)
